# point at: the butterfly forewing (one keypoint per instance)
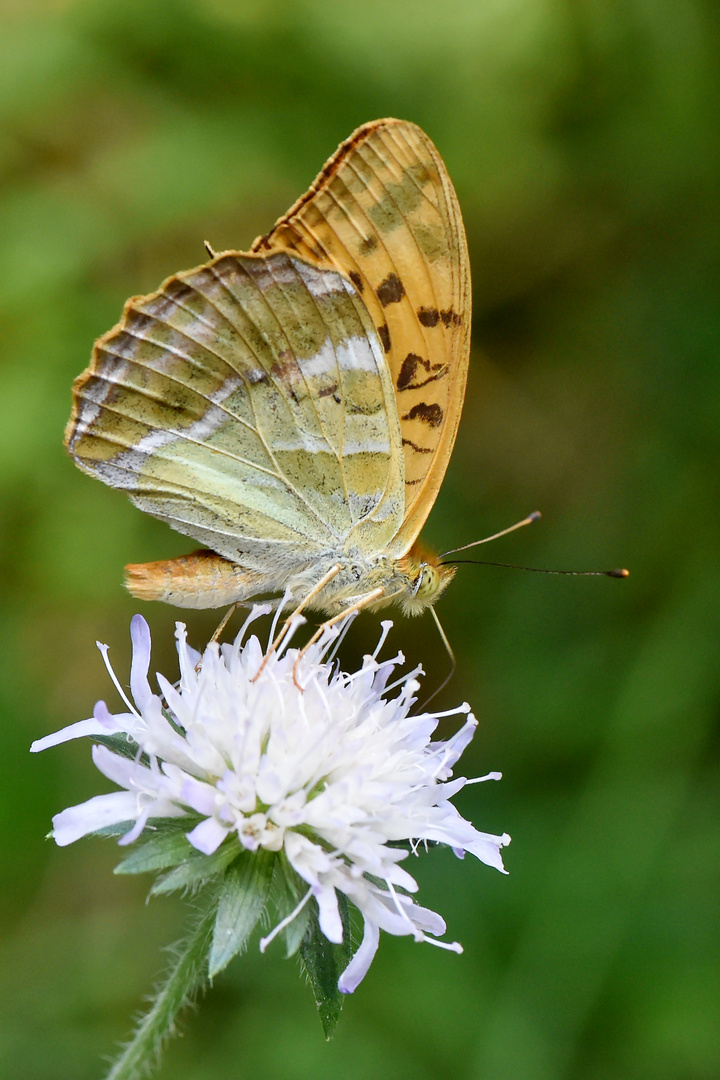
(384, 212)
(248, 403)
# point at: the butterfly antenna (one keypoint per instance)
(450, 653)
(496, 536)
(210, 249)
(617, 573)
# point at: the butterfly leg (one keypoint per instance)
(315, 591)
(223, 622)
(362, 602)
(221, 626)
(453, 664)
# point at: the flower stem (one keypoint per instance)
(186, 978)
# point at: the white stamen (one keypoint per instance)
(385, 628)
(287, 596)
(104, 650)
(264, 942)
(482, 779)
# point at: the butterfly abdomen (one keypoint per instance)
(199, 580)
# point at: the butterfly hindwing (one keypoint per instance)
(383, 211)
(248, 404)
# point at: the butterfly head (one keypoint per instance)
(426, 579)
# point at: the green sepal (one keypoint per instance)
(120, 744)
(118, 829)
(197, 868)
(155, 825)
(159, 851)
(243, 897)
(324, 962)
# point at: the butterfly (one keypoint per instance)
(293, 408)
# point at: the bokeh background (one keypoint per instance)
(582, 138)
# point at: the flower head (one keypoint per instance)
(340, 777)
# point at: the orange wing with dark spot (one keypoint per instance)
(383, 212)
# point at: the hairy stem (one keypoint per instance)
(186, 977)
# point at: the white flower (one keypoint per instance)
(332, 775)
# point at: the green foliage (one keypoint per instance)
(582, 139)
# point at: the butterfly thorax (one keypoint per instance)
(414, 582)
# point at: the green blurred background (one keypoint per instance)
(582, 138)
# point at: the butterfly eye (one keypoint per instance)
(427, 582)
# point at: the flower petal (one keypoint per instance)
(358, 967)
(329, 914)
(208, 836)
(140, 635)
(102, 722)
(97, 813)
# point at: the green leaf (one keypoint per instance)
(157, 852)
(197, 868)
(244, 895)
(324, 962)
